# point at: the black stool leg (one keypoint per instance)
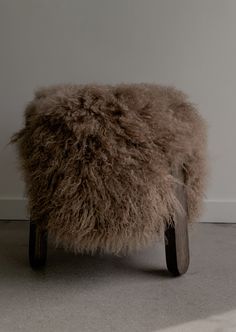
(176, 236)
(37, 246)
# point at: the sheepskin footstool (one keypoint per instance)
(111, 168)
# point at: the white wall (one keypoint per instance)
(187, 43)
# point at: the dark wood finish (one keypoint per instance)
(176, 238)
(37, 246)
(176, 234)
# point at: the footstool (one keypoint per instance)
(111, 168)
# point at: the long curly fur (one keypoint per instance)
(98, 160)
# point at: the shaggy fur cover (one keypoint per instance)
(98, 162)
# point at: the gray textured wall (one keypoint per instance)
(187, 43)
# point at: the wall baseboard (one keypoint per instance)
(219, 211)
(13, 209)
(215, 211)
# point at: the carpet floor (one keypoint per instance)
(119, 294)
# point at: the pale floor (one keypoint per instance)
(115, 294)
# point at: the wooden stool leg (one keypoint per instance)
(176, 236)
(37, 246)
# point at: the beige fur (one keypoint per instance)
(97, 162)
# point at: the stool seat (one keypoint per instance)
(100, 164)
